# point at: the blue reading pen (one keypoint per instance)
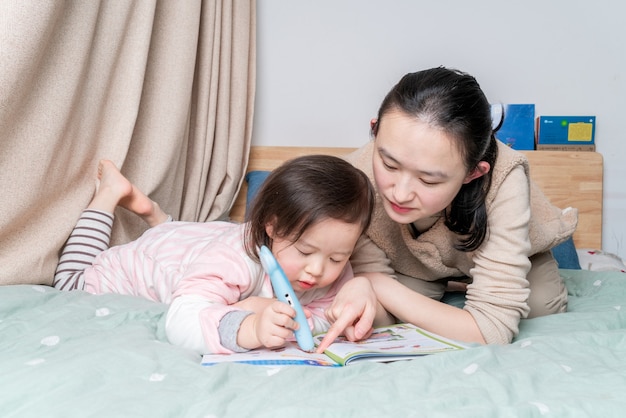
(285, 293)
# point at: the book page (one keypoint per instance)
(400, 340)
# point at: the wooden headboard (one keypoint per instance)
(568, 178)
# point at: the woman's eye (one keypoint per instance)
(388, 166)
(430, 182)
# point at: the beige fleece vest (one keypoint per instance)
(431, 255)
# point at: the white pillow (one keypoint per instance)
(598, 260)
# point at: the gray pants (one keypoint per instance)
(548, 294)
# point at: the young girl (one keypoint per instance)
(309, 212)
(454, 205)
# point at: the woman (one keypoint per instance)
(454, 206)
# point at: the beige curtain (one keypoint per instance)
(165, 89)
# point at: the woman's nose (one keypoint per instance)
(402, 190)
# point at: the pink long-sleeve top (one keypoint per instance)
(200, 270)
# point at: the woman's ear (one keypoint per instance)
(480, 170)
(374, 126)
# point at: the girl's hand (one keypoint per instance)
(254, 304)
(270, 328)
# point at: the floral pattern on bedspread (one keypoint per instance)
(75, 355)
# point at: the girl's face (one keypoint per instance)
(418, 169)
(319, 256)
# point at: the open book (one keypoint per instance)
(388, 343)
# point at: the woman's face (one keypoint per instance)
(418, 169)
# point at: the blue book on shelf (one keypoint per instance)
(517, 125)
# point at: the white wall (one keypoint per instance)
(325, 65)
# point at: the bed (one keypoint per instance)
(75, 354)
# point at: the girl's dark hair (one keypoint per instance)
(452, 101)
(304, 191)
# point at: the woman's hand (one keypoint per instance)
(352, 312)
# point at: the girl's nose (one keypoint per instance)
(314, 267)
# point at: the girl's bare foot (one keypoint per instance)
(111, 187)
(114, 189)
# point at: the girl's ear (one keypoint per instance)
(480, 170)
(270, 228)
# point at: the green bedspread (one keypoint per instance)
(79, 355)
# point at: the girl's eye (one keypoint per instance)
(304, 253)
(388, 166)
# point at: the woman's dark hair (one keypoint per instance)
(452, 101)
(304, 191)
